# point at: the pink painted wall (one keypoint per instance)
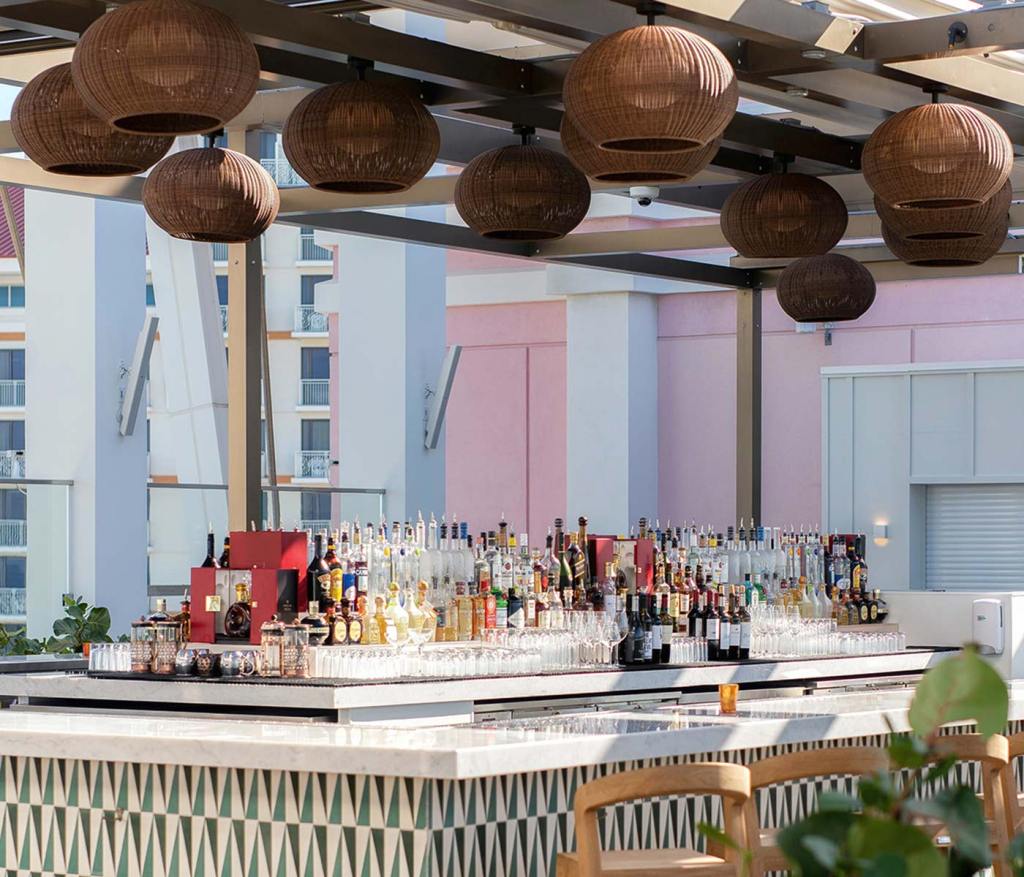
(505, 434)
(506, 421)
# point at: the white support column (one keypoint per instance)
(85, 305)
(612, 424)
(195, 384)
(391, 303)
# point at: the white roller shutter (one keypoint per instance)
(974, 536)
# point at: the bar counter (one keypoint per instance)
(96, 779)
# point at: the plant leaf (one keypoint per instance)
(959, 808)
(803, 842)
(961, 688)
(873, 840)
(908, 751)
(838, 802)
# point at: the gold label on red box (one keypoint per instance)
(213, 603)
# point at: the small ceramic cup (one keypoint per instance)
(207, 664)
(238, 663)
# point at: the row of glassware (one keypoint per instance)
(781, 632)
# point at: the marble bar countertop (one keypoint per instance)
(325, 695)
(458, 752)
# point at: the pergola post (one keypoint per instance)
(748, 404)
(245, 322)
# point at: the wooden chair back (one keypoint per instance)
(838, 761)
(1015, 812)
(730, 782)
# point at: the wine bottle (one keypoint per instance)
(626, 647)
(225, 555)
(211, 560)
(667, 629)
(318, 574)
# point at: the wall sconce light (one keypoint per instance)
(881, 535)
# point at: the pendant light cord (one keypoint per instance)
(211, 138)
(525, 133)
(360, 65)
(651, 9)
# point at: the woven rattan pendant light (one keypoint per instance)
(652, 88)
(165, 67)
(937, 156)
(361, 137)
(947, 253)
(825, 289)
(211, 194)
(952, 224)
(522, 193)
(57, 131)
(632, 167)
(784, 215)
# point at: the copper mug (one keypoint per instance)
(185, 661)
(237, 663)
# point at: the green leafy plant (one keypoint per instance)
(81, 624)
(15, 642)
(872, 834)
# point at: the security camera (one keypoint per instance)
(644, 195)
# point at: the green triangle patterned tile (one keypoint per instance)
(236, 836)
(423, 809)
(306, 811)
(267, 843)
(280, 801)
(72, 858)
(174, 795)
(146, 803)
(491, 790)
(252, 804)
(228, 796)
(363, 816)
(335, 790)
(392, 818)
(348, 834)
(48, 781)
(318, 847)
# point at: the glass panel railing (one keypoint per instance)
(34, 555)
(309, 251)
(308, 320)
(12, 394)
(315, 392)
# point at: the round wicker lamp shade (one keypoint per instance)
(784, 215)
(614, 166)
(214, 195)
(937, 156)
(652, 88)
(825, 289)
(522, 193)
(952, 224)
(947, 253)
(165, 67)
(361, 137)
(57, 131)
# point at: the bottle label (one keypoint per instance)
(745, 635)
(874, 612)
(666, 634)
(711, 630)
(648, 645)
(490, 611)
(355, 631)
(724, 634)
(501, 616)
(655, 638)
(340, 629)
(515, 619)
(734, 635)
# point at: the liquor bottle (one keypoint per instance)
(627, 644)
(564, 570)
(574, 563)
(609, 598)
(734, 626)
(417, 617)
(745, 628)
(647, 647)
(695, 618)
(225, 555)
(712, 624)
(238, 618)
(397, 617)
(556, 611)
(584, 573)
(655, 623)
(336, 570)
(318, 629)
(338, 621)
(161, 611)
(500, 610)
(184, 617)
(376, 633)
(211, 560)
(871, 602)
(515, 609)
(667, 629)
(724, 625)
(318, 575)
(881, 607)
(428, 632)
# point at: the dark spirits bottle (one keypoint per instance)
(711, 624)
(318, 629)
(318, 574)
(636, 630)
(225, 555)
(238, 619)
(744, 622)
(667, 629)
(211, 560)
(626, 649)
(655, 623)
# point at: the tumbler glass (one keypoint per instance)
(728, 693)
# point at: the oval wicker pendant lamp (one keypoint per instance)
(57, 131)
(361, 137)
(632, 167)
(784, 215)
(937, 156)
(947, 253)
(652, 88)
(952, 224)
(522, 193)
(825, 289)
(211, 194)
(165, 67)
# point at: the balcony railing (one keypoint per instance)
(316, 526)
(220, 252)
(13, 534)
(309, 251)
(12, 602)
(224, 319)
(314, 393)
(282, 172)
(309, 320)
(312, 464)
(12, 394)
(12, 464)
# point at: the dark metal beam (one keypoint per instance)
(995, 29)
(668, 269)
(63, 20)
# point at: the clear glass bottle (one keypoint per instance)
(238, 618)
